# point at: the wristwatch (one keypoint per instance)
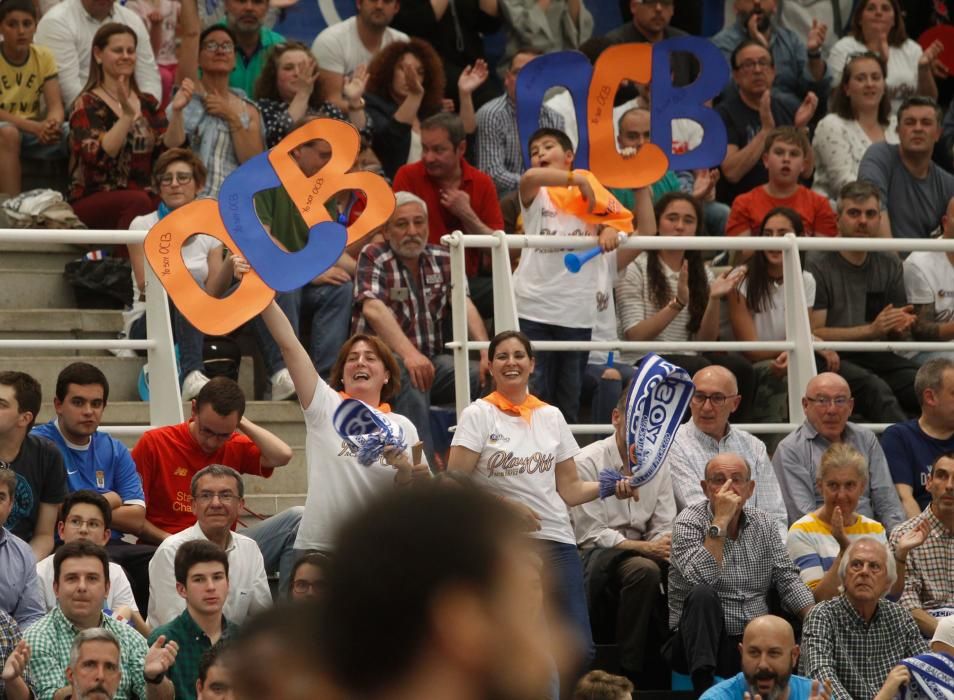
(715, 532)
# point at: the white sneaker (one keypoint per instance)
(130, 316)
(282, 385)
(192, 384)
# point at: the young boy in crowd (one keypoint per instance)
(784, 157)
(553, 303)
(27, 73)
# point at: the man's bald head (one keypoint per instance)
(828, 382)
(769, 655)
(718, 374)
(828, 405)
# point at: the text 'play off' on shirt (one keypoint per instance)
(518, 460)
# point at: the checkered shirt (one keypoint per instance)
(856, 656)
(752, 563)
(50, 639)
(9, 638)
(419, 306)
(929, 573)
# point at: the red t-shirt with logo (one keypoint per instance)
(168, 457)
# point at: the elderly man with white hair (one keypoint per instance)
(855, 640)
(402, 293)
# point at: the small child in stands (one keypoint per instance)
(553, 303)
(600, 685)
(27, 74)
(786, 153)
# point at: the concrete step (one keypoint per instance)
(121, 373)
(30, 289)
(68, 324)
(35, 256)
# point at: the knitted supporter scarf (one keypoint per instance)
(607, 210)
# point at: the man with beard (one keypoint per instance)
(860, 296)
(458, 196)
(799, 65)
(769, 656)
(245, 18)
(402, 294)
(344, 46)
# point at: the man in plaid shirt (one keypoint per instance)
(725, 558)
(403, 293)
(853, 641)
(929, 577)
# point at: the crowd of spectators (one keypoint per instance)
(138, 564)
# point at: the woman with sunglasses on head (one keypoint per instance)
(860, 116)
(285, 93)
(179, 176)
(222, 125)
(757, 312)
(878, 26)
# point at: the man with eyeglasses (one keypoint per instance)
(218, 432)
(828, 405)
(708, 434)
(726, 557)
(67, 29)
(218, 495)
(86, 517)
(650, 25)
(853, 642)
(799, 65)
(750, 112)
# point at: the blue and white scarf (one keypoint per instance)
(367, 430)
(657, 399)
(932, 677)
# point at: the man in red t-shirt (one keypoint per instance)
(217, 433)
(458, 196)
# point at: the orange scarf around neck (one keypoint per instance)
(384, 407)
(607, 210)
(524, 410)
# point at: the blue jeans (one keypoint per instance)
(329, 308)
(415, 405)
(558, 376)
(290, 303)
(568, 593)
(275, 537)
(190, 341)
(606, 392)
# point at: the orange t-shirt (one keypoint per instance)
(749, 209)
(168, 457)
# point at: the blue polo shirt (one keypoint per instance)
(799, 688)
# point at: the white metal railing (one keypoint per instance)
(165, 400)
(798, 343)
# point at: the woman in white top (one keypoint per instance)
(817, 541)
(670, 295)
(522, 449)
(179, 175)
(757, 312)
(878, 26)
(337, 483)
(860, 116)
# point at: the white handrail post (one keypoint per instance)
(505, 304)
(801, 359)
(165, 400)
(459, 314)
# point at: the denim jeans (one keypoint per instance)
(558, 376)
(290, 303)
(606, 392)
(569, 594)
(328, 307)
(275, 537)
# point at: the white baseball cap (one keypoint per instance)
(945, 631)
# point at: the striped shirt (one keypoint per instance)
(814, 549)
(634, 303)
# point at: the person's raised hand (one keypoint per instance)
(183, 95)
(806, 110)
(726, 502)
(766, 117)
(816, 36)
(472, 77)
(160, 657)
(838, 528)
(17, 661)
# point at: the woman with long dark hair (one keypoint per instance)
(757, 312)
(670, 295)
(860, 116)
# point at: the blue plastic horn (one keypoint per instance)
(575, 261)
